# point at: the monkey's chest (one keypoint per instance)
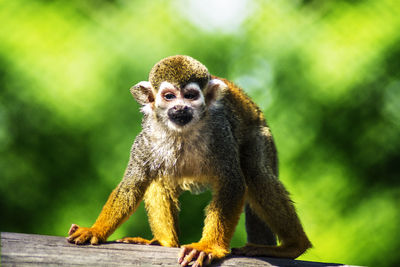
(193, 171)
(181, 160)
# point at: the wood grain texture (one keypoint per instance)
(39, 250)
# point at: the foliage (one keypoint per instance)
(325, 72)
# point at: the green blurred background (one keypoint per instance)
(326, 73)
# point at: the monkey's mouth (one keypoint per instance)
(180, 116)
(182, 119)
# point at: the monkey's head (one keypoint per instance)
(178, 93)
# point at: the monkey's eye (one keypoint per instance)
(169, 96)
(191, 95)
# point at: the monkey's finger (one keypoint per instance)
(73, 236)
(209, 259)
(81, 240)
(73, 229)
(82, 237)
(189, 257)
(94, 240)
(182, 254)
(200, 259)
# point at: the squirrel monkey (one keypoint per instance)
(199, 132)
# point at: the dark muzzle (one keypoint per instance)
(180, 115)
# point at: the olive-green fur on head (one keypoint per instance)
(179, 71)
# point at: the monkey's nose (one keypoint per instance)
(180, 115)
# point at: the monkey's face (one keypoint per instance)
(179, 108)
(178, 94)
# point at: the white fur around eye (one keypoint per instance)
(163, 86)
(193, 86)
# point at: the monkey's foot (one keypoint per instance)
(138, 240)
(251, 250)
(201, 253)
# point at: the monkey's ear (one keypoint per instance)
(214, 91)
(143, 93)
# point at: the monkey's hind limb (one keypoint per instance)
(268, 203)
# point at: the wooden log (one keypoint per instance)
(39, 250)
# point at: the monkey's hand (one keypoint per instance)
(83, 235)
(202, 253)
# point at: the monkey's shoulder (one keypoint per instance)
(239, 104)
